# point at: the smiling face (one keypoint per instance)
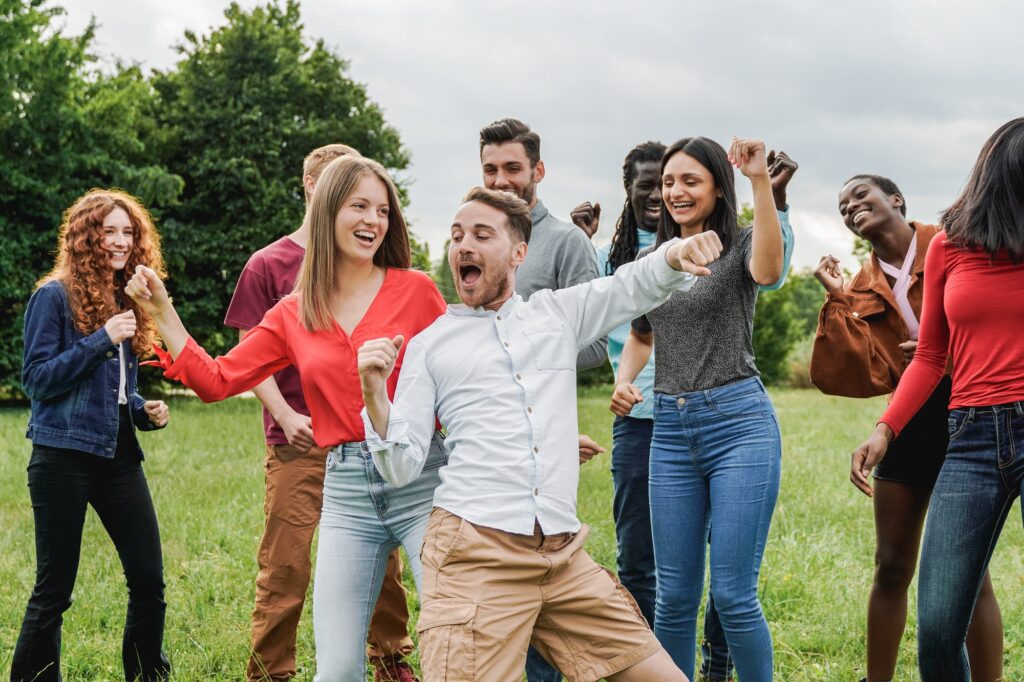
(362, 220)
(506, 167)
(689, 192)
(866, 209)
(483, 256)
(117, 236)
(645, 195)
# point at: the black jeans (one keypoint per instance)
(62, 483)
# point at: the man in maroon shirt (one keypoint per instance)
(295, 479)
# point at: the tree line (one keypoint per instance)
(213, 146)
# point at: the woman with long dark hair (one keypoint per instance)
(867, 332)
(716, 447)
(974, 313)
(355, 284)
(82, 341)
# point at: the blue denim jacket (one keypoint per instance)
(73, 379)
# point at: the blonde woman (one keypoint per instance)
(355, 285)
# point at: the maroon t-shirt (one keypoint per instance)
(268, 277)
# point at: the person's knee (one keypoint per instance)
(736, 604)
(892, 575)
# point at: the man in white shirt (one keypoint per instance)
(503, 558)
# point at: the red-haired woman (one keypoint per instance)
(82, 338)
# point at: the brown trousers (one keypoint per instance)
(294, 497)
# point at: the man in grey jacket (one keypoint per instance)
(560, 254)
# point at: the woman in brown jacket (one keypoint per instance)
(867, 333)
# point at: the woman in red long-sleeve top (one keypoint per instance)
(973, 312)
(354, 286)
(867, 332)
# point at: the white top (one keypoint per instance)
(504, 385)
(902, 287)
(122, 397)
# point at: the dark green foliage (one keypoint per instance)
(237, 116)
(443, 277)
(64, 129)
(782, 318)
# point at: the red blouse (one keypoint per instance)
(974, 311)
(407, 303)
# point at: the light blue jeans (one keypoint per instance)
(716, 457)
(363, 520)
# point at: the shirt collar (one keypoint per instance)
(539, 212)
(462, 310)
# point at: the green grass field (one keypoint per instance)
(205, 472)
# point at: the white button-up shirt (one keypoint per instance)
(504, 385)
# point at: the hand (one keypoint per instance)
(376, 362)
(695, 253)
(908, 348)
(588, 449)
(587, 217)
(298, 429)
(829, 275)
(867, 455)
(781, 169)
(158, 412)
(121, 327)
(148, 290)
(749, 157)
(624, 398)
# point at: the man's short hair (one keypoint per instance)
(318, 159)
(512, 130)
(515, 209)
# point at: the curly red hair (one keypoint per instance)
(84, 268)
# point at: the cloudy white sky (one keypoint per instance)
(904, 89)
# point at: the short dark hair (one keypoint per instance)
(515, 209)
(989, 214)
(512, 130)
(625, 242)
(883, 183)
(722, 220)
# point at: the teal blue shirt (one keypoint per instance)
(617, 338)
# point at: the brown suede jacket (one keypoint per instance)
(856, 348)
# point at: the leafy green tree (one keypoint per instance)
(237, 115)
(64, 128)
(443, 277)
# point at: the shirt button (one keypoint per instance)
(536, 450)
(536, 492)
(519, 377)
(110, 353)
(529, 409)
(681, 402)
(506, 344)
(499, 317)
(856, 314)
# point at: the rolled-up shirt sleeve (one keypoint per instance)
(399, 454)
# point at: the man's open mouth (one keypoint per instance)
(469, 274)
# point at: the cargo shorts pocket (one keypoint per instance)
(447, 652)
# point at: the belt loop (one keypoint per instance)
(1019, 405)
(970, 415)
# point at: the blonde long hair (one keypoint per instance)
(316, 282)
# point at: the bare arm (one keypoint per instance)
(635, 354)
(767, 250)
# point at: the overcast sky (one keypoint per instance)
(904, 89)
